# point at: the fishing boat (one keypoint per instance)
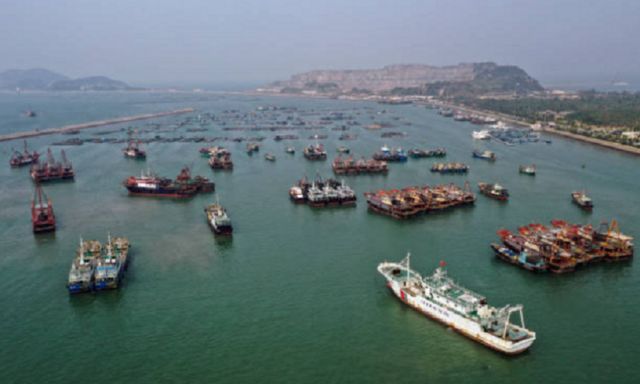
(528, 169)
(133, 150)
(440, 298)
(184, 186)
(296, 194)
(290, 150)
(42, 216)
(111, 264)
(533, 263)
(494, 191)
(215, 151)
(81, 277)
(19, 159)
(484, 155)
(218, 219)
(581, 199)
(221, 161)
(343, 149)
(315, 152)
(252, 147)
(270, 157)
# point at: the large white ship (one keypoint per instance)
(441, 299)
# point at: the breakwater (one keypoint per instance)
(91, 124)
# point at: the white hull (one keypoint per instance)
(462, 325)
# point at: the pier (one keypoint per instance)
(91, 124)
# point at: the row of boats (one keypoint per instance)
(562, 247)
(97, 267)
(412, 201)
(322, 193)
(51, 170)
(349, 166)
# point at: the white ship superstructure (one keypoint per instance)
(441, 299)
(481, 135)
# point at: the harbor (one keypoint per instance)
(182, 272)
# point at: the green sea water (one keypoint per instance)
(294, 296)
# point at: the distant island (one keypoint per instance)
(38, 79)
(467, 79)
(505, 92)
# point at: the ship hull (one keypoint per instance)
(106, 285)
(44, 228)
(584, 207)
(222, 230)
(79, 287)
(332, 203)
(458, 323)
(135, 191)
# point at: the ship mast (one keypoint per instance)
(81, 251)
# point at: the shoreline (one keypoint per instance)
(499, 116)
(91, 124)
(591, 140)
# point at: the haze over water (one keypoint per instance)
(295, 295)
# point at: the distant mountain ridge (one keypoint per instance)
(419, 79)
(44, 80)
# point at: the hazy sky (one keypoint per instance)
(191, 41)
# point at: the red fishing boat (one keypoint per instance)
(18, 159)
(42, 215)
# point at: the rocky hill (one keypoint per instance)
(405, 79)
(94, 83)
(45, 80)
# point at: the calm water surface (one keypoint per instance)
(295, 296)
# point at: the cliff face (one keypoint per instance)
(413, 78)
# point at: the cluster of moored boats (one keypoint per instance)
(315, 152)
(412, 201)
(349, 166)
(322, 193)
(387, 154)
(98, 267)
(563, 246)
(418, 153)
(50, 170)
(450, 168)
(219, 157)
(559, 248)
